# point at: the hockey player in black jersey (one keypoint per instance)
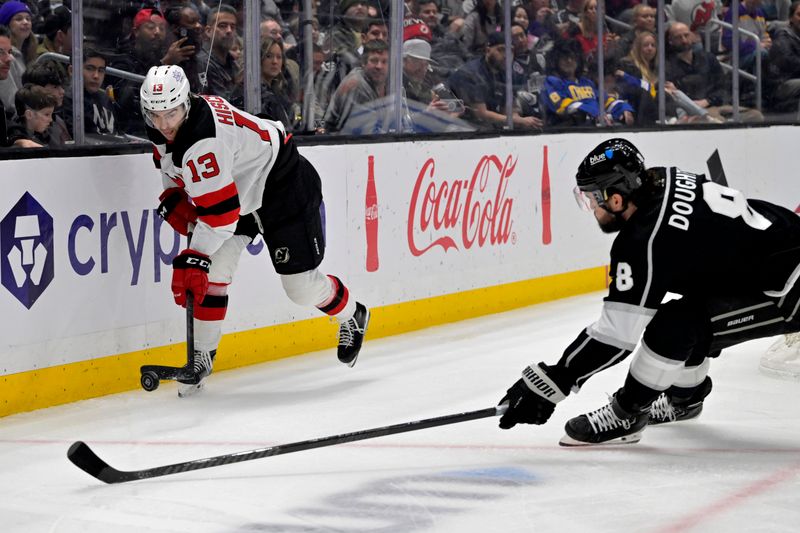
(735, 262)
(229, 176)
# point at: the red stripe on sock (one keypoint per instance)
(210, 314)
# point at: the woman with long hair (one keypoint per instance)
(642, 60)
(638, 75)
(277, 100)
(485, 19)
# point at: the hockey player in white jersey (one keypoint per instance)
(736, 263)
(229, 176)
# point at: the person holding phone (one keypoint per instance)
(187, 34)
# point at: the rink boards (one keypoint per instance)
(457, 229)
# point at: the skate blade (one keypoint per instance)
(633, 438)
(190, 390)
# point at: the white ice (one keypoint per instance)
(736, 468)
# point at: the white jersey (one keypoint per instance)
(222, 157)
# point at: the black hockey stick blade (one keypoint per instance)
(715, 171)
(84, 457)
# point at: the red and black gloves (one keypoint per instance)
(176, 209)
(190, 274)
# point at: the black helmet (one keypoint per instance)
(615, 163)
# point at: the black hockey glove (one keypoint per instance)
(532, 399)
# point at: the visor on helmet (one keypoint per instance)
(178, 114)
(589, 200)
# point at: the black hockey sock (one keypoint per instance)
(634, 397)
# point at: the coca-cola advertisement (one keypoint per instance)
(454, 212)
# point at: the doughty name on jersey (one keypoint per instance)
(685, 184)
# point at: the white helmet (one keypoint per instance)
(165, 87)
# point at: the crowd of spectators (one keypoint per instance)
(453, 64)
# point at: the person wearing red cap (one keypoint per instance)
(144, 47)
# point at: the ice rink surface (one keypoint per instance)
(735, 469)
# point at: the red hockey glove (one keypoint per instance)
(176, 209)
(190, 274)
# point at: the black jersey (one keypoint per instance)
(693, 237)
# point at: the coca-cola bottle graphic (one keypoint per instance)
(371, 217)
(546, 234)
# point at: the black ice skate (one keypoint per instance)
(671, 409)
(203, 366)
(608, 425)
(351, 335)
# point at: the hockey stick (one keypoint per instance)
(84, 457)
(151, 375)
(190, 330)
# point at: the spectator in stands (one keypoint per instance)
(8, 87)
(374, 30)
(428, 12)
(696, 14)
(447, 50)
(278, 99)
(144, 47)
(519, 15)
(524, 64)
(699, 74)
(571, 98)
(784, 64)
(480, 83)
(585, 32)
(570, 14)
(346, 36)
(35, 113)
(10, 135)
(222, 72)
(99, 116)
(361, 86)
(417, 80)
(187, 38)
(272, 29)
(485, 19)
(644, 20)
(290, 68)
(637, 78)
(751, 18)
(17, 17)
(542, 19)
(48, 76)
(57, 30)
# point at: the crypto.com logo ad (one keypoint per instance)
(26, 250)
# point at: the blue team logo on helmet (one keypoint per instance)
(27, 264)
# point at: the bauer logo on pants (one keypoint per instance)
(26, 250)
(282, 255)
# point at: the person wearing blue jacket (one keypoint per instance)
(571, 98)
